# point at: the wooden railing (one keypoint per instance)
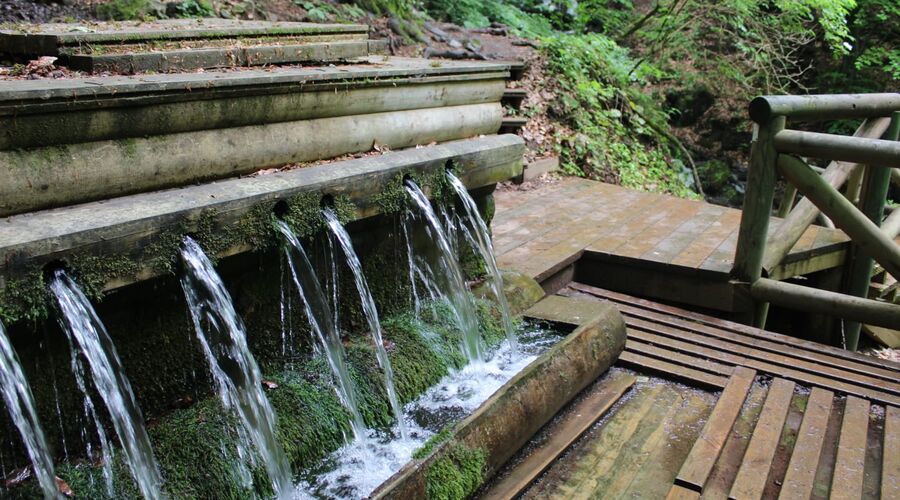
(866, 159)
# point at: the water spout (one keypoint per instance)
(485, 247)
(323, 325)
(20, 403)
(84, 328)
(453, 283)
(371, 313)
(235, 372)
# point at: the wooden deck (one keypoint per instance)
(697, 406)
(631, 236)
(737, 412)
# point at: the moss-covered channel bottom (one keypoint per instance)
(196, 445)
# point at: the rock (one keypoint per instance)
(521, 291)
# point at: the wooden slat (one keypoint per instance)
(640, 309)
(890, 466)
(638, 347)
(685, 234)
(847, 481)
(855, 361)
(801, 473)
(660, 335)
(675, 213)
(751, 477)
(703, 455)
(672, 370)
(724, 341)
(580, 418)
(682, 493)
(706, 242)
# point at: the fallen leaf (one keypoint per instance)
(64, 488)
(269, 384)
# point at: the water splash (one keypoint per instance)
(447, 276)
(359, 467)
(485, 247)
(84, 328)
(20, 403)
(323, 325)
(371, 313)
(235, 372)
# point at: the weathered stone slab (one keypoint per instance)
(48, 112)
(53, 39)
(226, 57)
(139, 230)
(65, 175)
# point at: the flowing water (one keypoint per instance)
(359, 467)
(20, 403)
(447, 277)
(371, 313)
(323, 325)
(84, 328)
(235, 372)
(485, 247)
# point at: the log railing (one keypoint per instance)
(866, 159)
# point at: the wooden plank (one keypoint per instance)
(662, 336)
(890, 466)
(707, 242)
(735, 344)
(685, 234)
(682, 493)
(801, 473)
(703, 455)
(672, 370)
(813, 351)
(579, 419)
(722, 258)
(675, 212)
(638, 347)
(751, 477)
(726, 468)
(847, 481)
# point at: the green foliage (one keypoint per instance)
(616, 128)
(126, 10)
(478, 14)
(195, 8)
(320, 12)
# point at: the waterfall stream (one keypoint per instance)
(20, 403)
(323, 325)
(371, 313)
(446, 276)
(485, 247)
(84, 329)
(237, 377)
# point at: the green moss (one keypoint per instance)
(24, 298)
(126, 10)
(457, 474)
(93, 272)
(432, 443)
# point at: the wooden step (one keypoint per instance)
(801, 472)
(700, 461)
(578, 420)
(890, 467)
(751, 477)
(847, 481)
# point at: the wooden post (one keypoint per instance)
(804, 213)
(845, 216)
(757, 209)
(787, 200)
(872, 199)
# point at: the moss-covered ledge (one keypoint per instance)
(125, 240)
(195, 446)
(479, 445)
